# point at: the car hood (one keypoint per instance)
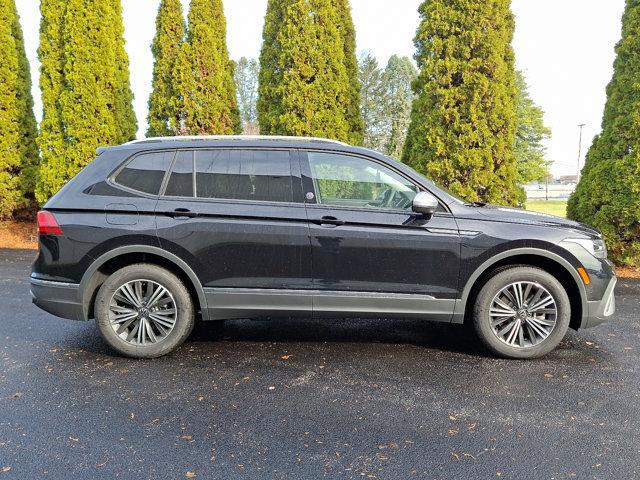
(525, 217)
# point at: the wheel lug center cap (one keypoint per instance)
(144, 312)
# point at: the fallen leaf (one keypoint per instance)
(190, 474)
(548, 375)
(286, 357)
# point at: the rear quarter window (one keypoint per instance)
(145, 172)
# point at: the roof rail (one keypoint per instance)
(186, 138)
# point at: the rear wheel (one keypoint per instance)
(522, 312)
(144, 311)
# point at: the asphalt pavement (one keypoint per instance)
(306, 399)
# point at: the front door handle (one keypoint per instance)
(328, 221)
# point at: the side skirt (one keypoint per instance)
(230, 303)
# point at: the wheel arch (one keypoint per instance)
(532, 257)
(119, 257)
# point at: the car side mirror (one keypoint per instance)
(425, 204)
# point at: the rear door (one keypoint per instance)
(238, 218)
(367, 240)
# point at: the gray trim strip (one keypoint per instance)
(229, 303)
(52, 283)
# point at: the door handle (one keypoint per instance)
(328, 220)
(182, 213)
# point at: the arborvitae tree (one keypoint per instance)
(204, 74)
(125, 116)
(531, 133)
(28, 127)
(372, 102)
(348, 31)
(309, 90)
(10, 150)
(51, 139)
(79, 41)
(88, 107)
(270, 77)
(397, 79)
(608, 194)
(170, 30)
(246, 78)
(462, 131)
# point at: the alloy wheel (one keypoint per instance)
(142, 312)
(523, 314)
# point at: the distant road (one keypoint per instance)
(556, 192)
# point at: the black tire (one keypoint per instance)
(504, 278)
(184, 319)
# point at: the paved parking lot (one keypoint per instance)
(309, 399)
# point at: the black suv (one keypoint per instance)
(158, 233)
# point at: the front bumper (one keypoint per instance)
(600, 311)
(57, 298)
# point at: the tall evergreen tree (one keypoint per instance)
(531, 133)
(204, 74)
(125, 116)
(308, 94)
(28, 127)
(608, 194)
(79, 41)
(398, 77)
(170, 30)
(10, 149)
(348, 31)
(246, 78)
(462, 130)
(269, 104)
(372, 102)
(51, 139)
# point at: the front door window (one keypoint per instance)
(348, 181)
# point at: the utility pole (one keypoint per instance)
(581, 126)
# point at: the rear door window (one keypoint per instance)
(145, 172)
(259, 175)
(180, 182)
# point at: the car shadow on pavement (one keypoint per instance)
(429, 335)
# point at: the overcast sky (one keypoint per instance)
(565, 47)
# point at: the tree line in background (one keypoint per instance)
(464, 117)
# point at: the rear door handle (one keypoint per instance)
(182, 213)
(328, 220)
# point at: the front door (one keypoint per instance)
(370, 252)
(238, 217)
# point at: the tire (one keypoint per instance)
(168, 320)
(532, 325)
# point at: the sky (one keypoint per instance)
(564, 47)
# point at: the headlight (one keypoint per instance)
(597, 248)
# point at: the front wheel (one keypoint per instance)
(144, 311)
(522, 312)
